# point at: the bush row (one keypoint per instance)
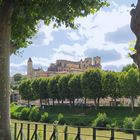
(102, 120)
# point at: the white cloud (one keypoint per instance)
(73, 36)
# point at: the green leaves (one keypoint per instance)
(27, 14)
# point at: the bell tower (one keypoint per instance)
(29, 68)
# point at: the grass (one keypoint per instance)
(86, 133)
(81, 116)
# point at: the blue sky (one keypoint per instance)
(106, 34)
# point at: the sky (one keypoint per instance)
(106, 34)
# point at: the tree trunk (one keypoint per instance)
(40, 102)
(98, 102)
(115, 102)
(135, 27)
(53, 102)
(5, 35)
(28, 102)
(73, 102)
(132, 103)
(85, 102)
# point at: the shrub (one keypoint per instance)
(101, 120)
(34, 114)
(128, 124)
(45, 117)
(24, 115)
(61, 119)
(15, 115)
(137, 123)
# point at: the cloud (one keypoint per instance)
(121, 35)
(106, 55)
(73, 36)
(113, 68)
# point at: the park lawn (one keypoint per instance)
(84, 117)
(86, 133)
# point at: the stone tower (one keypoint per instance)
(97, 61)
(29, 68)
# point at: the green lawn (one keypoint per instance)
(81, 116)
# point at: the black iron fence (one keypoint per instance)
(30, 131)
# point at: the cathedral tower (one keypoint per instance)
(29, 68)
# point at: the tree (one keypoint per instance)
(135, 22)
(75, 87)
(132, 85)
(63, 88)
(36, 89)
(44, 89)
(25, 90)
(111, 85)
(18, 23)
(92, 85)
(17, 77)
(128, 67)
(53, 88)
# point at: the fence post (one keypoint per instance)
(44, 135)
(78, 134)
(112, 134)
(21, 136)
(15, 131)
(65, 133)
(134, 135)
(35, 131)
(94, 133)
(28, 131)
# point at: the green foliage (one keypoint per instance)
(111, 86)
(75, 87)
(34, 114)
(27, 14)
(91, 84)
(25, 90)
(137, 122)
(128, 67)
(101, 120)
(17, 77)
(24, 115)
(45, 117)
(128, 124)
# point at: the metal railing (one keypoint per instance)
(29, 131)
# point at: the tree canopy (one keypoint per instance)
(26, 15)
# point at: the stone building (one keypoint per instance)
(65, 65)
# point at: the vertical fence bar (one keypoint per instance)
(94, 133)
(112, 134)
(21, 135)
(134, 135)
(35, 131)
(44, 132)
(65, 133)
(15, 131)
(28, 131)
(54, 133)
(78, 134)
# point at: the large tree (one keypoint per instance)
(18, 23)
(135, 27)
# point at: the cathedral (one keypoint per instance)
(63, 67)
